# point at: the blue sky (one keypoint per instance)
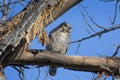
(96, 46)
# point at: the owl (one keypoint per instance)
(59, 41)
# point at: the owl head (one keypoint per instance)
(63, 27)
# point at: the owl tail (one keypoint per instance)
(52, 70)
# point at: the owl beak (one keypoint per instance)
(65, 31)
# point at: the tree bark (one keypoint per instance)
(31, 22)
(79, 63)
(12, 46)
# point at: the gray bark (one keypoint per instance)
(78, 63)
(31, 16)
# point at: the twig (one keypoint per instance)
(78, 47)
(115, 13)
(4, 11)
(110, 20)
(38, 74)
(99, 76)
(92, 19)
(16, 69)
(112, 73)
(21, 73)
(86, 20)
(47, 75)
(20, 2)
(13, 3)
(78, 77)
(116, 51)
(98, 33)
(13, 10)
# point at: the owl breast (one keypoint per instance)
(60, 42)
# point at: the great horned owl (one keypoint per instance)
(59, 41)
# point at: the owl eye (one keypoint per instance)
(61, 29)
(69, 28)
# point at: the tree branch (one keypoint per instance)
(4, 11)
(98, 33)
(116, 51)
(36, 16)
(14, 2)
(79, 63)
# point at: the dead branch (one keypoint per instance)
(20, 71)
(98, 33)
(79, 63)
(38, 74)
(116, 51)
(14, 2)
(92, 19)
(4, 11)
(115, 12)
(85, 20)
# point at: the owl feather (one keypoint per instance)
(59, 40)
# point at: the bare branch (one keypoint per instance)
(115, 12)
(21, 3)
(38, 74)
(5, 8)
(86, 20)
(22, 75)
(78, 47)
(111, 72)
(4, 11)
(12, 10)
(13, 3)
(116, 51)
(92, 19)
(98, 33)
(14, 67)
(79, 63)
(99, 76)
(20, 71)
